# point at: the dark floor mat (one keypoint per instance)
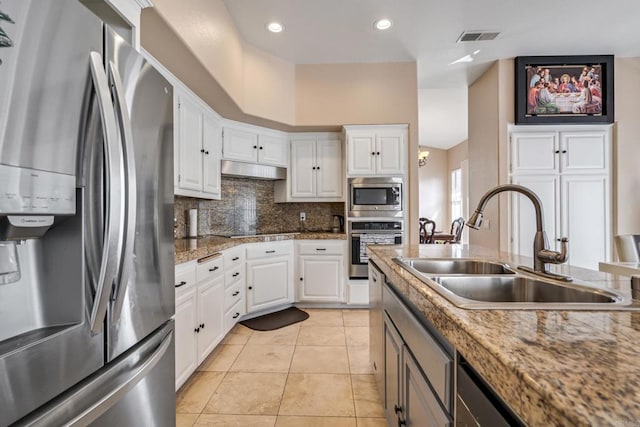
(276, 320)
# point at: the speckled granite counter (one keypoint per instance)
(190, 249)
(562, 368)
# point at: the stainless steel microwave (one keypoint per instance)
(375, 197)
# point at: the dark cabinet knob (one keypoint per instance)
(557, 151)
(373, 153)
(255, 146)
(261, 148)
(564, 151)
(235, 293)
(202, 150)
(235, 316)
(377, 153)
(236, 274)
(250, 287)
(301, 279)
(196, 330)
(313, 168)
(206, 152)
(317, 167)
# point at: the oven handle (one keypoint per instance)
(394, 234)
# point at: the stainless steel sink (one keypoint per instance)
(484, 284)
(456, 266)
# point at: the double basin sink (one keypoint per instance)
(484, 284)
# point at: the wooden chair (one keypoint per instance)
(456, 230)
(426, 236)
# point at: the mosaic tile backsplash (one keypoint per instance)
(247, 207)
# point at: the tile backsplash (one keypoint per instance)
(247, 207)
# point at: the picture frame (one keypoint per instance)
(551, 89)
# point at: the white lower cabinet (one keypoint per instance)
(321, 270)
(234, 286)
(269, 275)
(199, 317)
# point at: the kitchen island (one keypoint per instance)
(564, 368)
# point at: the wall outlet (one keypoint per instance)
(303, 216)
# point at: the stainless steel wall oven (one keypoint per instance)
(362, 233)
(374, 197)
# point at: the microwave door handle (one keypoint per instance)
(113, 184)
(130, 186)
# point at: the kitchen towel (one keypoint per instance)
(193, 222)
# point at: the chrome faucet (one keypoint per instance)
(542, 255)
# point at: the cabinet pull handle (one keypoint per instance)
(235, 316)
(270, 252)
(214, 268)
(236, 274)
(564, 151)
(181, 284)
(557, 151)
(321, 249)
(235, 293)
(235, 258)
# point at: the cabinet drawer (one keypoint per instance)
(232, 295)
(209, 267)
(321, 247)
(233, 258)
(232, 316)
(271, 249)
(185, 276)
(233, 276)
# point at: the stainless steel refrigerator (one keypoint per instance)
(86, 207)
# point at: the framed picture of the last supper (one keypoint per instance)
(564, 89)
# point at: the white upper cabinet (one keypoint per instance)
(568, 167)
(196, 148)
(376, 150)
(251, 144)
(316, 172)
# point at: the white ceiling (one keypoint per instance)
(425, 31)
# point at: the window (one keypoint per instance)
(456, 194)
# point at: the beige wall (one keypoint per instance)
(626, 153)
(434, 197)
(456, 154)
(483, 152)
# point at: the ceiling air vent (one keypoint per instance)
(477, 36)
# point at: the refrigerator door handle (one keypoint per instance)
(130, 187)
(113, 215)
(116, 394)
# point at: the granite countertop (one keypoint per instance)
(190, 249)
(562, 368)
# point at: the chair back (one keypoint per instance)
(427, 228)
(456, 229)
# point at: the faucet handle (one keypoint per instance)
(554, 257)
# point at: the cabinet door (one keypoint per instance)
(240, 145)
(390, 152)
(210, 316)
(547, 187)
(584, 152)
(321, 278)
(420, 405)
(534, 152)
(392, 370)
(185, 335)
(211, 144)
(190, 143)
(329, 178)
(303, 173)
(272, 150)
(268, 283)
(360, 155)
(585, 219)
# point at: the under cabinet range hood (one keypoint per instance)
(251, 170)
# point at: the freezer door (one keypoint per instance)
(143, 298)
(43, 74)
(136, 389)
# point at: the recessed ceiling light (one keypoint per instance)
(383, 24)
(275, 27)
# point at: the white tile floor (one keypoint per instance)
(315, 373)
